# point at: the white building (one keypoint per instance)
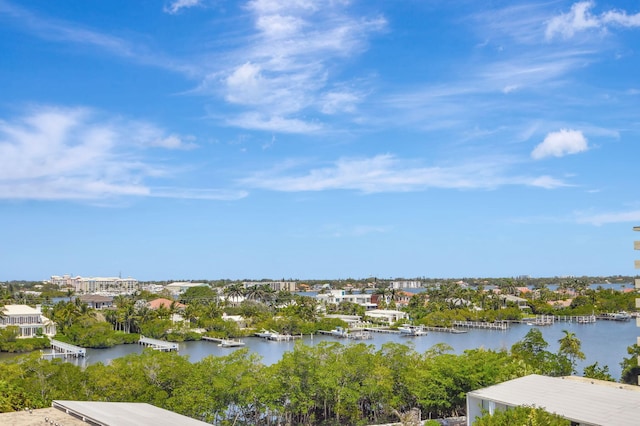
(110, 285)
(177, 288)
(389, 315)
(336, 297)
(405, 284)
(583, 401)
(275, 285)
(29, 320)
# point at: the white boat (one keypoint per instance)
(621, 316)
(412, 330)
(265, 334)
(340, 332)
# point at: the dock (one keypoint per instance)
(379, 330)
(551, 319)
(158, 345)
(444, 329)
(482, 325)
(277, 337)
(224, 343)
(65, 350)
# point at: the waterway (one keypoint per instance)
(604, 341)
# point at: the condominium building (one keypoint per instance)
(405, 284)
(84, 285)
(275, 285)
(29, 321)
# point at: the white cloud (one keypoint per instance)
(559, 144)
(175, 6)
(580, 19)
(632, 217)
(284, 69)
(76, 153)
(339, 101)
(273, 123)
(386, 173)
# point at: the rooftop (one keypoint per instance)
(20, 310)
(77, 413)
(586, 401)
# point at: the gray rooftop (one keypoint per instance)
(125, 413)
(587, 401)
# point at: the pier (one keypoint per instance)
(224, 343)
(158, 345)
(444, 329)
(353, 334)
(277, 337)
(379, 330)
(551, 319)
(482, 324)
(65, 350)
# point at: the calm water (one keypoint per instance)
(605, 342)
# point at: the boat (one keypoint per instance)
(265, 334)
(412, 330)
(230, 343)
(340, 332)
(621, 316)
(616, 316)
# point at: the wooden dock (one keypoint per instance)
(283, 337)
(379, 330)
(65, 350)
(551, 319)
(444, 329)
(158, 345)
(224, 343)
(482, 325)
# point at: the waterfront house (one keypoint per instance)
(335, 297)
(97, 301)
(163, 303)
(388, 315)
(30, 321)
(519, 301)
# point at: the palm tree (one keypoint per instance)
(570, 346)
(234, 291)
(268, 294)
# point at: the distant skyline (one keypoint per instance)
(213, 139)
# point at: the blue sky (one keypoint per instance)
(206, 139)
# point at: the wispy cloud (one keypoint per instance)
(61, 31)
(77, 153)
(580, 19)
(386, 173)
(286, 67)
(630, 216)
(339, 231)
(177, 5)
(561, 143)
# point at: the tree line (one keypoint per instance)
(326, 384)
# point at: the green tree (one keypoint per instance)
(570, 346)
(532, 351)
(630, 368)
(594, 371)
(523, 415)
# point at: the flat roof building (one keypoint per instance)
(98, 414)
(583, 401)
